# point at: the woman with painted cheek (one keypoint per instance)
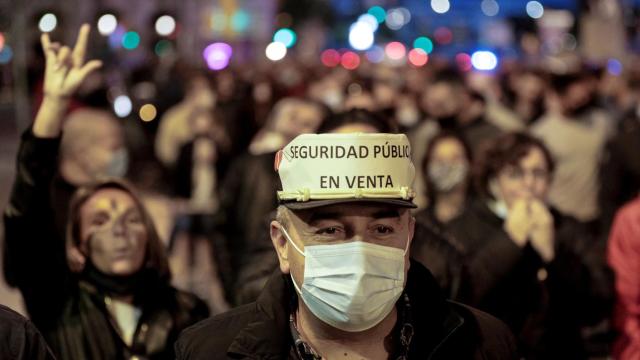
(528, 262)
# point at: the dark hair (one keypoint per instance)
(442, 135)
(505, 150)
(356, 116)
(155, 257)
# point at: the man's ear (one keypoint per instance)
(281, 246)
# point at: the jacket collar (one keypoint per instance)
(434, 319)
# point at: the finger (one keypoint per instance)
(80, 48)
(49, 53)
(90, 67)
(63, 56)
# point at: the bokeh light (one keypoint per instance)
(163, 48)
(2, 41)
(350, 60)
(484, 60)
(397, 18)
(240, 21)
(490, 7)
(369, 20)
(217, 55)
(275, 51)
(375, 54)
(361, 36)
(122, 106)
(130, 40)
(165, 25)
(115, 39)
(614, 67)
(285, 36)
(463, 61)
(418, 57)
(148, 112)
(6, 54)
(395, 50)
(423, 43)
(48, 22)
(443, 35)
(440, 6)
(535, 9)
(330, 58)
(378, 12)
(107, 24)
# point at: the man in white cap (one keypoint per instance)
(346, 288)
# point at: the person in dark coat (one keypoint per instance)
(345, 287)
(530, 265)
(105, 292)
(19, 338)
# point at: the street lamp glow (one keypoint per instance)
(275, 51)
(165, 25)
(361, 36)
(122, 106)
(107, 24)
(440, 6)
(48, 22)
(484, 60)
(535, 9)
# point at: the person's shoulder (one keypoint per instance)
(210, 338)
(493, 336)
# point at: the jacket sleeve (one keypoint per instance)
(34, 255)
(623, 255)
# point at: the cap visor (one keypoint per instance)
(311, 204)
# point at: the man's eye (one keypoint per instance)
(98, 221)
(332, 230)
(382, 229)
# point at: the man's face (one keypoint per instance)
(112, 231)
(441, 100)
(299, 118)
(378, 224)
(529, 180)
(97, 156)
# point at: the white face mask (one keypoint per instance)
(351, 286)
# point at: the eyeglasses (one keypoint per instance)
(518, 174)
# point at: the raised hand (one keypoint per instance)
(518, 224)
(542, 231)
(64, 72)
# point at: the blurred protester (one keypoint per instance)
(104, 294)
(620, 169)
(576, 134)
(247, 193)
(522, 102)
(345, 286)
(19, 338)
(528, 262)
(623, 255)
(449, 105)
(176, 130)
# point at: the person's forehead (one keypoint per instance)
(110, 200)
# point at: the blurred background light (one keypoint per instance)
(165, 25)
(361, 36)
(375, 54)
(48, 22)
(396, 19)
(423, 43)
(418, 57)
(378, 12)
(240, 21)
(463, 61)
(275, 51)
(285, 36)
(535, 9)
(350, 60)
(484, 60)
(217, 55)
(6, 54)
(395, 50)
(330, 58)
(148, 112)
(131, 40)
(122, 106)
(107, 24)
(440, 6)
(490, 7)
(614, 67)
(369, 20)
(443, 35)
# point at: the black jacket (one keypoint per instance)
(260, 330)
(69, 311)
(19, 338)
(544, 304)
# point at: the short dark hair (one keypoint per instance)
(155, 256)
(505, 150)
(356, 116)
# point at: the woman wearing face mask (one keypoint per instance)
(529, 264)
(106, 295)
(446, 165)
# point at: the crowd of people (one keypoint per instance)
(525, 191)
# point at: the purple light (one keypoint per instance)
(115, 38)
(217, 55)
